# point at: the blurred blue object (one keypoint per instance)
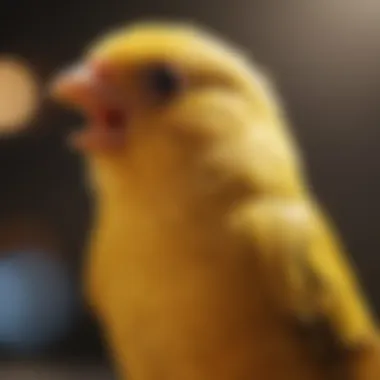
(38, 301)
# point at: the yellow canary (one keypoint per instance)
(210, 258)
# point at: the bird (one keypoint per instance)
(210, 257)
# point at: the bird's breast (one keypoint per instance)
(184, 300)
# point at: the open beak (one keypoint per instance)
(86, 87)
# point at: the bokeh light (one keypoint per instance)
(19, 95)
(39, 301)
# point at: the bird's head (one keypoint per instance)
(155, 94)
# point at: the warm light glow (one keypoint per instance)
(19, 95)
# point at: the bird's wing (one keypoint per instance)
(309, 276)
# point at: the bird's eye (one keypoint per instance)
(162, 81)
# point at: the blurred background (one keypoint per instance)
(324, 57)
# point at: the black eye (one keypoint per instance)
(163, 81)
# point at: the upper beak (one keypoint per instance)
(74, 86)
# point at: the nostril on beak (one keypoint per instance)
(101, 70)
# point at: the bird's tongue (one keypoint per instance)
(105, 130)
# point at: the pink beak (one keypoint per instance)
(86, 86)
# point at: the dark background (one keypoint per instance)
(324, 56)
